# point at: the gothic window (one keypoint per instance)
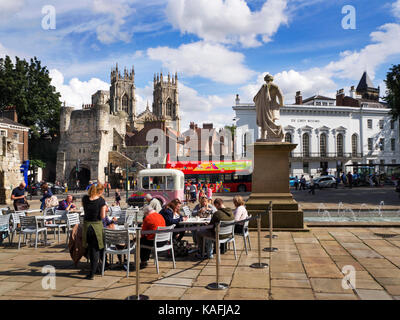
(354, 145)
(125, 103)
(306, 145)
(322, 145)
(169, 108)
(159, 111)
(288, 137)
(339, 145)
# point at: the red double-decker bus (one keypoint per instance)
(223, 176)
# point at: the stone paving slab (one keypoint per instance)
(306, 266)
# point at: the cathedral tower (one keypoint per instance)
(166, 100)
(122, 92)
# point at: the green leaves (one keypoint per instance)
(393, 90)
(28, 87)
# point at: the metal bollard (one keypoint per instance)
(137, 262)
(270, 249)
(259, 264)
(216, 285)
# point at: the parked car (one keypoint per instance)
(325, 182)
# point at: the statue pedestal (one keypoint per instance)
(270, 182)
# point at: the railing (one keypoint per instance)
(325, 155)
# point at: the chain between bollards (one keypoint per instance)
(216, 285)
(137, 263)
(259, 264)
(271, 226)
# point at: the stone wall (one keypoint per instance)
(10, 175)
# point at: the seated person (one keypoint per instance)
(67, 204)
(153, 202)
(222, 214)
(203, 209)
(151, 221)
(240, 213)
(171, 214)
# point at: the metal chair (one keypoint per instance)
(112, 238)
(245, 234)
(72, 220)
(16, 223)
(5, 226)
(226, 228)
(58, 223)
(114, 210)
(29, 226)
(162, 237)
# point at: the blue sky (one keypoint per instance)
(219, 48)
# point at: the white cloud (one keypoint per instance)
(212, 61)
(76, 92)
(228, 21)
(350, 65)
(118, 10)
(396, 9)
(10, 7)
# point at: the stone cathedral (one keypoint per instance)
(109, 130)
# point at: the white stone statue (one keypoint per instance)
(267, 109)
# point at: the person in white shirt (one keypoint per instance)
(240, 213)
(153, 202)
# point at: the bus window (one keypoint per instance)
(170, 183)
(145, 183)
(228, 178)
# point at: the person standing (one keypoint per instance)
(76, 186)
(296, 182)
(302, 182)
(240, 213)
(117, 197)
(95, 208)
(350, 179)
(18, 195)
(312, 185)
(193, 192)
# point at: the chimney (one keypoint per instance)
(353, 92)
(10, 112)
(340, 97)
(237, 99)
(299, 98)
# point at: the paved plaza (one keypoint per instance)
(307, 265)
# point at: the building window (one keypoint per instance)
(306, 145)
(288, 137)
(382, 144)
(331, 103)
(322, 145)
(125, 103)
(380, 124)
(318, 103)
(354, 145)
(16, 136)
(393, 161)
(393, 144)
(3, 133)
(339, 145)
(169, 107)
(392, 124)
(324, 103)
(370, 144)
(306, 168)
(369, 123)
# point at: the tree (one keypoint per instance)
(393, 90)
(28, 87)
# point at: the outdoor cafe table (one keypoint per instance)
(43, 219)
(195, 220)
